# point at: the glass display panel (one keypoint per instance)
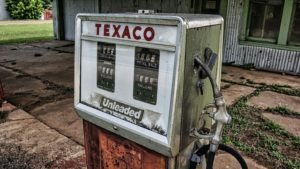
(106, 58)
(146, 70)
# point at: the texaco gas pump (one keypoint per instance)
(137, 89)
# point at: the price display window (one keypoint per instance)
(106, 58)
(146, 75)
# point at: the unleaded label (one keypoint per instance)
(144, 118)
(122, 109)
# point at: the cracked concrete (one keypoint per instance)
(291, 125)
(68, 123)
(239, 75)
(33, 137)
(35, 75)
(271, 99)
(235, 92)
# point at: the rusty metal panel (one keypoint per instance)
(105, 150)
(91, 144)
(263, 58)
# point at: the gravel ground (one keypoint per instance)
(13, 157)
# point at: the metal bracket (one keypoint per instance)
(146, 11)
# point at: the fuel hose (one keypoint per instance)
(210, 159)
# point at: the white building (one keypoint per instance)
(4, 15)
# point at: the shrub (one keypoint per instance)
(25, 9)
(47, 4)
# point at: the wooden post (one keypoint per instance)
(105, 150)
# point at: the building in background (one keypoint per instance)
(4, 14)
(264, 34)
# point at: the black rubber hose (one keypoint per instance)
(210, 160)
(235, 154)
(213, 83)
(204, 149)
(193, 165)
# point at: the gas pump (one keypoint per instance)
(140, 88)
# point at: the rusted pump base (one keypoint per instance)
(105, 150)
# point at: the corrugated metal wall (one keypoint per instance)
(165, 6)
(70, 10)
(4, 15)
(263, 58)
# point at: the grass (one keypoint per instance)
(259, 137)
(25, 33)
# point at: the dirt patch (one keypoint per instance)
(14, 157)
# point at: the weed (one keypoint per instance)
(283, 110)
(250, 81)
(292, 164)
(225, 86)
(258, 137)
(284, 89)
(248, 66)
(269, 143)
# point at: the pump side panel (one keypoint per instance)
(197, 40)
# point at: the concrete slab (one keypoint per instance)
(7, 107)
(271, 99)
(23, 90)
(68, 49)
(226, 161)
(291, 125)
(234, 92)
(44, 63)
(33, 137)
(52, 44)
(18, 114)
(61, 116)
(241, 75)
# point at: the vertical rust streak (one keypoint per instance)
(91, 145)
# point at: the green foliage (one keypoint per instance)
(25, 9)
(47, 4)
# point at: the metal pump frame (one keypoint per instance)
(220, 115)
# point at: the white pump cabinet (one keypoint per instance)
(134, 75)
